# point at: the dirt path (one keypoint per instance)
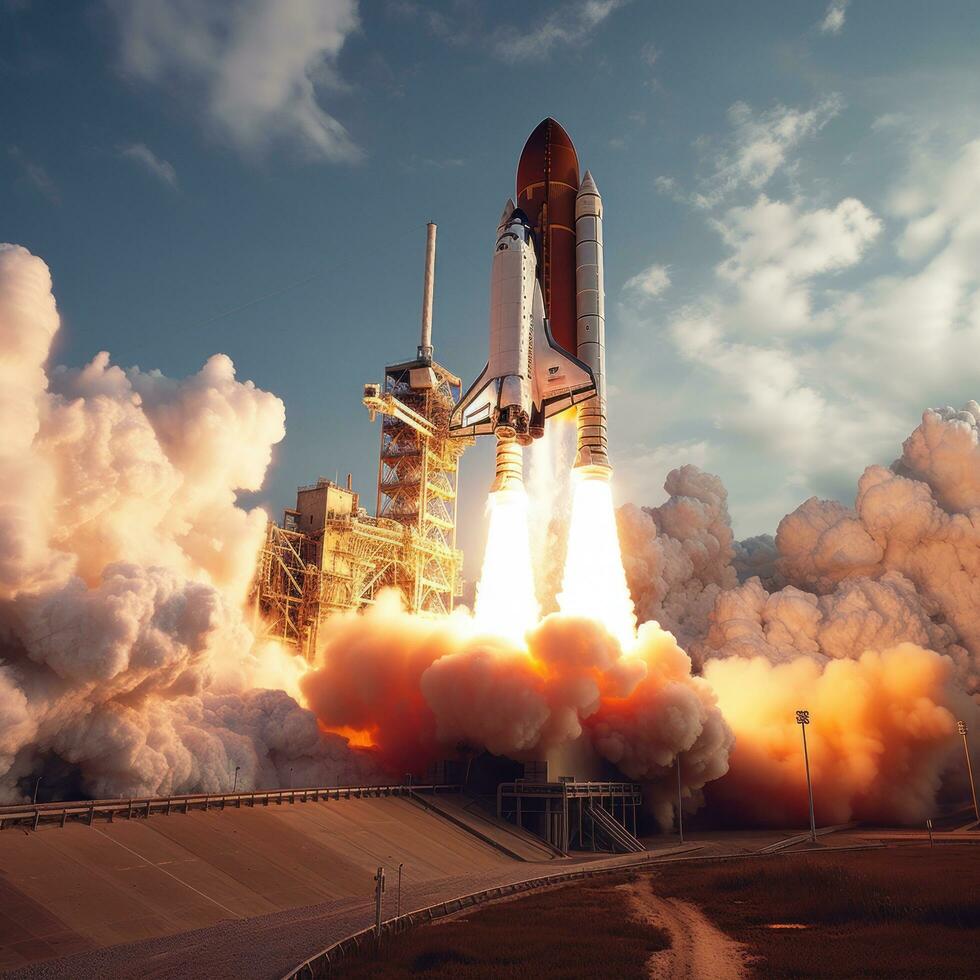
(697, 948)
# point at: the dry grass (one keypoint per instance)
(580, 931)
(900, 912)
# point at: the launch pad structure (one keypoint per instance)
(329, 555)
(586, 815)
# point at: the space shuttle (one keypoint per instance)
(547, 316)
(528, 377)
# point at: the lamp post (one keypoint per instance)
(962, 729)
(238, 769)
(398, 909)
(680, 814)
(803, 719)
(290, 777)
(37, 783)
(379, 890)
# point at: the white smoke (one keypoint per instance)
(419, 687)
(125, 660)
(678, 556)
(876, 627)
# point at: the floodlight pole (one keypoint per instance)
(803, 719)
(680, 814)
(379, 890)
(237, 771)
(962, 729)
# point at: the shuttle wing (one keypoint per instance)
(560, 379)
(474, 415)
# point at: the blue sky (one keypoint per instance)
(791, 191)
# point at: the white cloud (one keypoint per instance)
(833, 21)
(255, 64)
(35, 174)
(566, 26)
(640, 471)
(777, 248)
(161, 169)
(650, 54)
(810, 382)
(914, 333)
(651, 282)
(760, 143)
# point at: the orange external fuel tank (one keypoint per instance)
(547, 182)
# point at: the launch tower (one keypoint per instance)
(329, 555)
(419, 464)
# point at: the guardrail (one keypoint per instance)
(321, 964)
(85, 811)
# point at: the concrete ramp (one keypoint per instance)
(76, 888)
(527, 846)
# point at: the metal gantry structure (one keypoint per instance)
(418, 470)
(329, 555)
(585, 815)
(340, 562)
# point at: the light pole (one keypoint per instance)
(398, 908)
(680, 815)
(290, 777)
(379, 890)
(962, 729)
(803, 719)
(37, 783)
(237, 771)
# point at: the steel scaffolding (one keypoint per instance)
(329, 555)
(417, 479)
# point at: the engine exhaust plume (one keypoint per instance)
(506, 604)
(594, 583)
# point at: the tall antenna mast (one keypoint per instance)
(425, 347)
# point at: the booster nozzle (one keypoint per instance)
(591, 459)
(509, 472)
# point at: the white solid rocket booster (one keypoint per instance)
(592, 458)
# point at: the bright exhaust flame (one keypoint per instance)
(505, 599)
(594, 584)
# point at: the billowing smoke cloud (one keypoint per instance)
(918, 521)
(125, 661)
(421, 687)
(127, 664)
(875, 628)
(883, 733)
(678, 556)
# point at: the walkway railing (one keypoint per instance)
(85, 811)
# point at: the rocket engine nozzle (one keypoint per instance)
(592, 458)
(509, 470)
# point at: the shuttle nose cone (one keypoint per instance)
(505, 215)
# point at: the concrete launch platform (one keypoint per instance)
(79, 888)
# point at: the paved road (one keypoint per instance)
(268, 946)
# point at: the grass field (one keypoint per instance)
(895, 912)
(549, 935)
(902, 912)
